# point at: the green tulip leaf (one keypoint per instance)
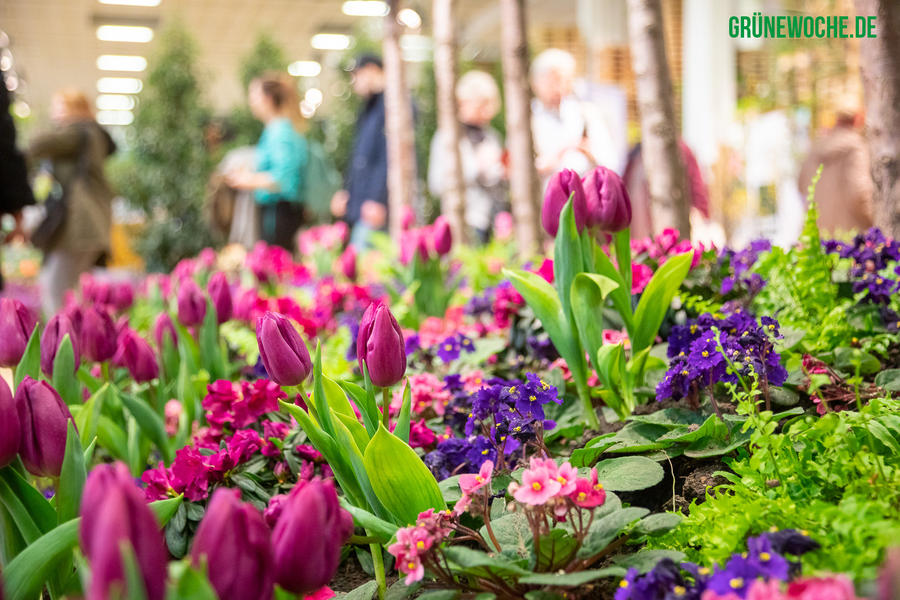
(656, 298)
(71, 477)
(150, 423)
(567, 259)
(401, 430)
(64, 380)
(621, 296)
(30, 364)
(588, 293)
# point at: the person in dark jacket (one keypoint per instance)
(363, 201)
(15, 193)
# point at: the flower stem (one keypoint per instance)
(378, 565)
(385, 407)
(589, 414)
(104, 369)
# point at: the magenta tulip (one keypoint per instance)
(164, 327)
(233, 541)
(308, 536)
(43, 418)
(443, 239)
(191, 303)
(57, 329)
(347, 263)
(16, 325)
(283, 352)
(220, 294)
(608, 204)
(562, 186)
(380, 345)
(114, 514)
(10, 435)
(98, 335)
(136, 355)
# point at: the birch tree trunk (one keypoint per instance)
(880, 66)
(523, 181)
(453, 201)
(670, 203)
(398, 125)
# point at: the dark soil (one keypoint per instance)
(350, 575)
(692, 479)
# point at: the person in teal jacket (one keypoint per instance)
(281, 157)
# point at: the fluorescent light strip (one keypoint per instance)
(120, 62)
(131, 2)
(119, 85)
(124, 33)
(365, 8)
(330, 41)
(305, 68)
(115, 102)
(115, 117)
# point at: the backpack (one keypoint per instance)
(322, 180)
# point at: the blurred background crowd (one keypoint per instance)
(149, 129)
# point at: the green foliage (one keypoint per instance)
(266, 55)
(166, 171)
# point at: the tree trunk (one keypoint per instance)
(398, 125)
(453, 201)
(523, 182)
(880, 66)
(666, 179)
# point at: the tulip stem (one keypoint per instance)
(386, 407)
(589, 412)
(104, 368)
(378, 566)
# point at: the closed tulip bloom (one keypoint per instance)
(162, 328)
(98, 335)
(347, 263)
(220, 294)
(9, 426)
(307, 539)
(136, 355)
(43, 420)
(57, 329)
(114, 513)
(283, 352)
(443, 239)
(608, 204)
(562, 185)
(380, 345)
(233, 540)
(16, 325)
(191, 303)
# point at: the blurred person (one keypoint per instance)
(635, 178)
(844, 192)
(480, 150)
(567, 133)
(75, 238)
(15, 192)
(363, 203)
(281, 156)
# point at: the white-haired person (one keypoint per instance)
(481, 153)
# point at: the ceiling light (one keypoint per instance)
(114, 102)
(119, 62)
(131, 2)
(119, 85)
(365, 8)
(313, 96)
(12, 82)
(21, 109)
(307, 110)
(6, 60)
(409, 18)
(304, 68)
(330, 41)
(115, 117)
(416, 48)
(124, 33)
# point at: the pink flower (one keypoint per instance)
(173, 414)
(413, 568)
(462, 505)
(640, 276)
(765, 590)
(420, 435)
(503, 226)
(472, 483)
(711, 595)
(566, 475)
(614, 336)
(835, 587)
(588, 493)
(667, 239)
(539, 485)
(323, 593)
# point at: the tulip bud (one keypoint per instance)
(220, 294)
(98, 335)
(380, 345)
(9, 426)
(162, 328)
(307, 539)
(443, 239)
(136, 355)
(608, 204)
(114, 513)
(191, 303)
(57, 329)
(123, 295)
(16, 325)
(42, 418)
(233, 540)
(347, 263)
(564, 184)
(408, 219)
(282, 350)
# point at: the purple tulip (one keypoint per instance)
(307, 539)
(16, 325)
(191, 303)
(164, 327)
(443, 239)
(347, 263)
(220, 294)
(42, 418)
(136, 355)
(98, 335)
(609, 207)
(380, 345)
(282, 350)
(123, 295)
(564, 184)
(233, 540)
(9, 426)
(57, 329)
(114, 513)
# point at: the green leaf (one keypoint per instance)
(567, 258)
(587, 297)
(481, 564)
(112, 437)
(319, 400)
(17, 509)
(848, 359)
(439, 595)
(364, 592)
(367, 408)
(889, 379)
(71, 478)
(191, 584)
(30, 364)
(150, 423)
(622, 244)
(554, 550)
(450, 489)
(621, 296)
(656, 299)
(645, 560)
(629, 473)
(639, 437)
(64, 380)
(513, 533)
(604, 530)
(210, 353)
(371, 523)
(401, 430)
(658, 523)
(575, 579)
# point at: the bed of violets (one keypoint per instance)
(630, 419)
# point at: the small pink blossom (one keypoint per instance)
(765, 590)
(470, 483)
(539, 485)
(566, 475)
(835, 587)
(173, 414)
(640, 277)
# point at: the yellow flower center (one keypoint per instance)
(879, 281)
(598, 487)
(693, 329)
(623, 584)
(705, 354)
(448, 347)
(736, 583)
(765, 556)
(479, 478)
(679, 590)
(536, 486)
(703, 570)
(684, 372)
(420, 545)
(561, 479)
(517, 428)
(411, 566)
(512, 390)
(485, 451)
(582, 496)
